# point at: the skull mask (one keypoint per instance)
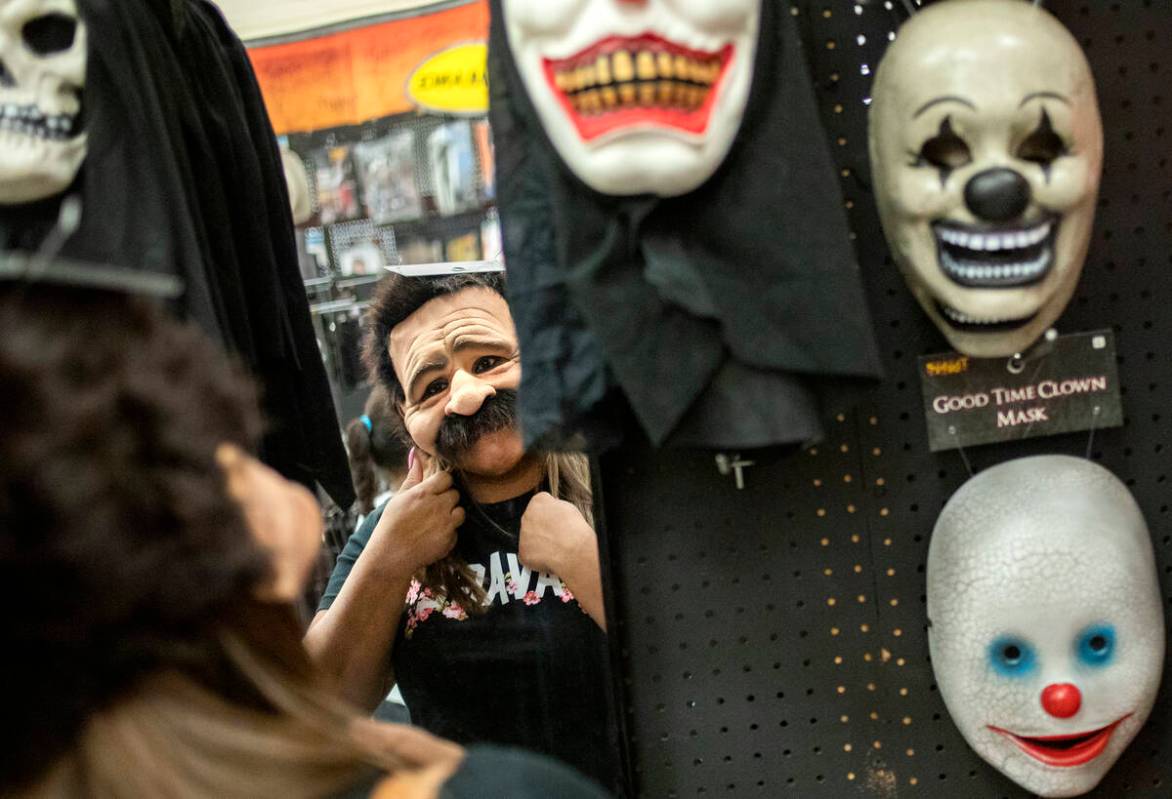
(987, 147)
(637, 98)
(1046, 620)
(42, 74)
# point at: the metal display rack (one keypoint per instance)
(337, 299)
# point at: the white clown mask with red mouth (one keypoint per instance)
(986, 148)
(637, 97)
(1046, 620)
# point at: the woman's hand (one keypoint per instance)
(418, 526)
(554, 536)
(557, 539)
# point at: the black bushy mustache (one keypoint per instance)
(458, 434)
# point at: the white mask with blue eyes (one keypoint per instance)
(1046, 620)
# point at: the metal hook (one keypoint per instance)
(1094, 423)
(965, 458)
(68, 221)
(733, 464)
(1016, 364)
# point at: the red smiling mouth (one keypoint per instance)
(641, 81)
(1064, 751)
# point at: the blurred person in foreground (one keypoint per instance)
(152, 649)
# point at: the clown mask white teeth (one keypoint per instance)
(996, 258)
(994, 240)
(42, 76)
(959, 318)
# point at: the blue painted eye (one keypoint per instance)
(1012, 656)
(1096, 645)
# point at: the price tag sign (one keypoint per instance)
(1072, 385)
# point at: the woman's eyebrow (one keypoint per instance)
(486, 342)
(437, 364)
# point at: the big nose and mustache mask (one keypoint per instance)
(459, 434)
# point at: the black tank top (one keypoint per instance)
(528, 673)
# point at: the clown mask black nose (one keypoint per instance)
(997, 195)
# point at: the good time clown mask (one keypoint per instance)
(987, 147)
(637, 97)
(1046, 621)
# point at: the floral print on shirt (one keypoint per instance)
(423, 604)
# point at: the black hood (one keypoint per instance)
(183, 177)
(747, 285)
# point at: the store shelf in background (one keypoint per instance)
(318, 282)
(361, 280)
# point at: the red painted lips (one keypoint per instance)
(1064, 751)
(641, 81)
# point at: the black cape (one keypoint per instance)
(183, 176)
(717, 313)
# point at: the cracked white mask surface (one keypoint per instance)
(1046, 620)
(637, 98)
(42, 75)
(987, 148)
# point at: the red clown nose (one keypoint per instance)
(1061, 700)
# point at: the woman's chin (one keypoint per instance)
(494, 455)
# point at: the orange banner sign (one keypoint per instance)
(353, 76)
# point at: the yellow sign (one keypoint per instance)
(453, 81)
(955, 366)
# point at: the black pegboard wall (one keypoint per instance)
(774, 639)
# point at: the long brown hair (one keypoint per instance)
(265, 728)
(567, 475)
(145, 665)
(375, 441)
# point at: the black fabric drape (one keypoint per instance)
(183, 176)
(718, 312)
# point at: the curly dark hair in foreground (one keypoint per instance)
(119, 546)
